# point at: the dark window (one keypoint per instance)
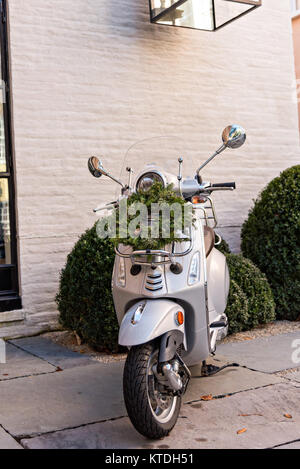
(9, 287)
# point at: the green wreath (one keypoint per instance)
(165, 200)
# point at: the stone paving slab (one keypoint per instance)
(228, 381)
(60, 400)
(81, 395)
(20, 363)
(92, 393)
(52, 353)
(119, 434)
(268, 354)
(210, 425)
(7, 442)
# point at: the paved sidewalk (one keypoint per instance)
(269, 354)
(52, 397)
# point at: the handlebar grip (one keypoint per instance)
(231, 185)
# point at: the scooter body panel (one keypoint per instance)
(148, 320)
(193, 299)
(218, 283)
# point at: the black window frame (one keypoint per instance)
(10, 299)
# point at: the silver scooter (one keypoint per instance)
(170, 303)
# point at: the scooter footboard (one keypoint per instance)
(150, 319)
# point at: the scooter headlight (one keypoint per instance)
(121, 276)
(194, 272)
(146, 181)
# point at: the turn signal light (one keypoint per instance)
(180, 318)
(198, 200)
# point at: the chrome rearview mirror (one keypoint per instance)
(234, 136)
(96, 169)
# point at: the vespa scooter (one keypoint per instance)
(170, 303)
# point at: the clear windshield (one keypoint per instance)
(162, 152)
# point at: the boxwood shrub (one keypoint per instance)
(255, 286)
(84, 299)
(271, 239)
(237, 309)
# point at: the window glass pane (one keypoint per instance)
(5, 241)
(226, 11)
(199, 13)
(191, 14)
(2, 139)
(157, 6)
(8, 257)
(5, 280)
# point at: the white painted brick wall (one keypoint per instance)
(94, 76)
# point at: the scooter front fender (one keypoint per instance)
(148, 320)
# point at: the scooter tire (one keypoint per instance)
(136, 394)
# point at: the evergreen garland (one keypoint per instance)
(142, 238)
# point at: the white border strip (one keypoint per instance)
(295, 11)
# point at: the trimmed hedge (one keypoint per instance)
(85, 300)
(237, 309)
(248, 285)
(271, 239)
(255, 286)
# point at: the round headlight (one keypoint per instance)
(147, 180)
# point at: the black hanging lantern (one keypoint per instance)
(208, 15)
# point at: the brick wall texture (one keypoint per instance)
(92, 77)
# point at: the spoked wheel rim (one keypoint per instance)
(162, 404)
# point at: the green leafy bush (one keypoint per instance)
(237, 309)
(271, 239)
(84, 299)
(250, 300)
(255, 286)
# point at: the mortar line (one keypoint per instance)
(29, 376)
(35, 435)
(275, 373)
(283, 444)
(222, 396)
(265, 372)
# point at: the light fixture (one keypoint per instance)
(209, 15)
(194, 272)
(121, 277)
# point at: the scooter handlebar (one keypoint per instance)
(225, 185)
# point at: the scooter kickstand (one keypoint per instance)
(210, 370)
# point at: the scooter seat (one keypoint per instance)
(209, 240)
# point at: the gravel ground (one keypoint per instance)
(69, 339)
(274, 328)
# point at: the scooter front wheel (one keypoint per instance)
(152, 409)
